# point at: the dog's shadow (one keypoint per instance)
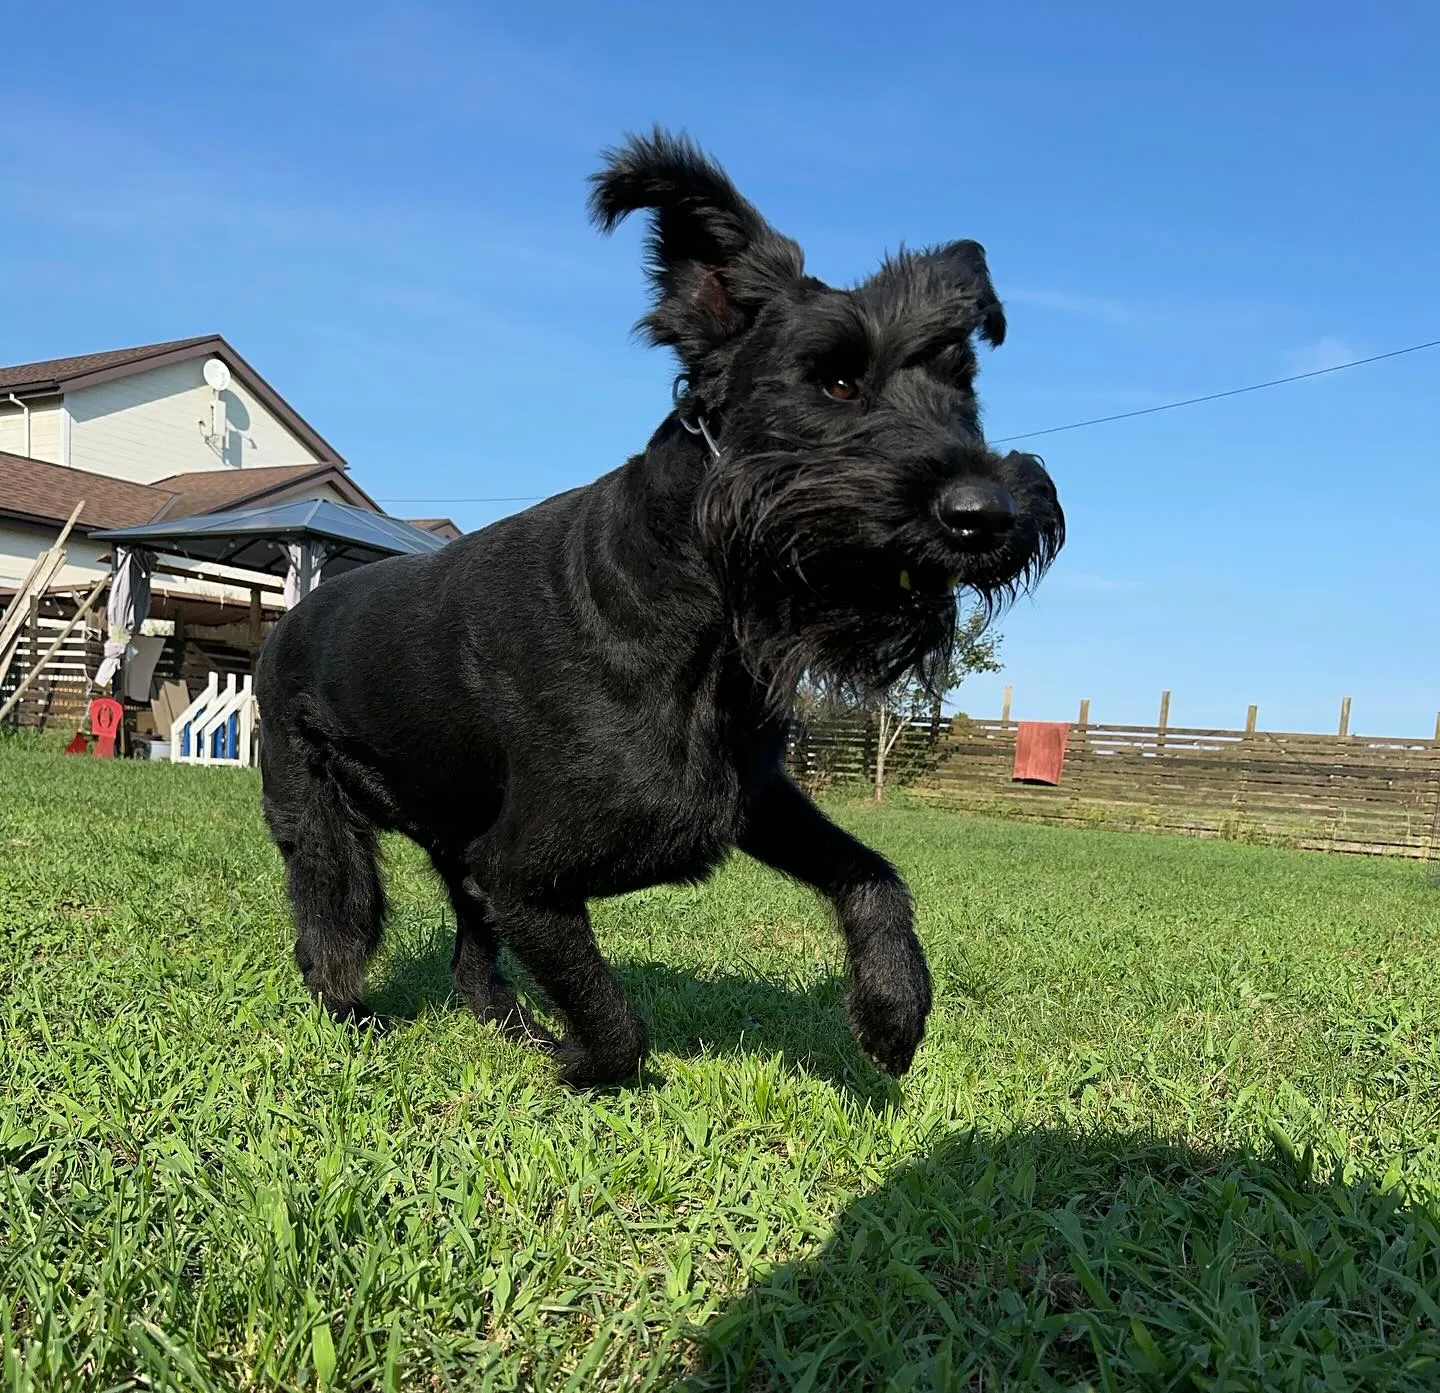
(1055, 1258)
(690, 1012)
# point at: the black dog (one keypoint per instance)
(589, 697)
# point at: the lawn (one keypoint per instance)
(1176, 1125)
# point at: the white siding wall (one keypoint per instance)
(47, 433)
(19, 546)
(147, 427)
(314, 491)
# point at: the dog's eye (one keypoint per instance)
(841, 389)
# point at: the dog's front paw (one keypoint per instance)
(584, 1066)
(889, 1001)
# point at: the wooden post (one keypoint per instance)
(34, 655)
(1345, 717)
(1005, 707)
(1164, 721)
(1242, 767)
(880, 732)
(254, 621)
(1437, 727)
(1084, 712)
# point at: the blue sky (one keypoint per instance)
(382, 208)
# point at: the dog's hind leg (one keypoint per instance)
(475, 962)
(333, 880)
(607, 1041)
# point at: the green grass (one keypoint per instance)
(1176, 1125)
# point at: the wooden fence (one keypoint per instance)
(1339, 792)
(1348, 793)
(59, 697)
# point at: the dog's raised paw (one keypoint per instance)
(892, 1054)
(887, 1015)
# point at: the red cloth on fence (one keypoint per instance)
(1040, 751)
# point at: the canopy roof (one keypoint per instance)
(255, 538)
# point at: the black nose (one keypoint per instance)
(977, 511)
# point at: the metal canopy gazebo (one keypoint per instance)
(295, 540)
(337, 536)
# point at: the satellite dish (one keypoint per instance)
(217, 374)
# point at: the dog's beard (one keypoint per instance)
(819, 584)
(833, 574)
(788, 630)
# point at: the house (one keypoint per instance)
(148, 434)
(140, 434)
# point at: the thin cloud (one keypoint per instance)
(1068, 302)
(120, 186)
(1328, 351)
(1087, 583)
(453, 64)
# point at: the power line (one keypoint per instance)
(1216, 396)
(538, 498)
(1074, 425)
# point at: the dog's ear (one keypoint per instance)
(966, 260)
(712, 260)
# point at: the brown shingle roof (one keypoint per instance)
(443, 527)
(209, 490)
(35, 490)
(54, 371)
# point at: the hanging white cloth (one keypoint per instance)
(127, 608)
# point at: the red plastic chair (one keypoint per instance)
(105, 714)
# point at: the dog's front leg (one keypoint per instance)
(607, 1041)
(889, 980)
